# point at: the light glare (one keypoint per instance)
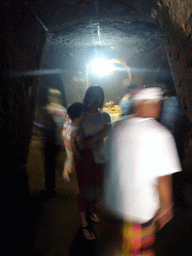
(101, 67)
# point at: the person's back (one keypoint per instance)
(69, 129)
(126, 103)
(175, 119)
(140, 164)
(143, 157)
(126, 107)
(170, 112)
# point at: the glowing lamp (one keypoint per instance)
(101, 67)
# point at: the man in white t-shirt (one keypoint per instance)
(139, 177)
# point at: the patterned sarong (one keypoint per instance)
(138, 239)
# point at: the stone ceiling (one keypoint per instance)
(115, 29)
(115, 23)
(122, 39)
(79, 31)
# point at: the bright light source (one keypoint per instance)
(101, 67)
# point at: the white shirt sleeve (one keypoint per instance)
(168, 161)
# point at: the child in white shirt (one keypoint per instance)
(71, 136)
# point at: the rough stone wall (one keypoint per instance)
(175, 19)
(177, 15)
(22, 41)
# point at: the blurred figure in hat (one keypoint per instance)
(138, 187)
(50, 118)
(174, 118)
(126, 103)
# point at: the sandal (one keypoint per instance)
(90, 230)
(94, 218)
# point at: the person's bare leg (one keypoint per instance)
(66, 170)
(87, 234)
(94, 216)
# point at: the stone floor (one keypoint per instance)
(57, 220)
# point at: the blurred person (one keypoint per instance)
(126, 103)
(45, 119)
(138, 187)
(69, 154)
(89, 169)
(72, 137)
(58, 113)
(174, 118)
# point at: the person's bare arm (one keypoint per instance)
(165, 213)
(62, 129)
(165, 191)
(91, 141)
(73, 144)
(103, 133)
